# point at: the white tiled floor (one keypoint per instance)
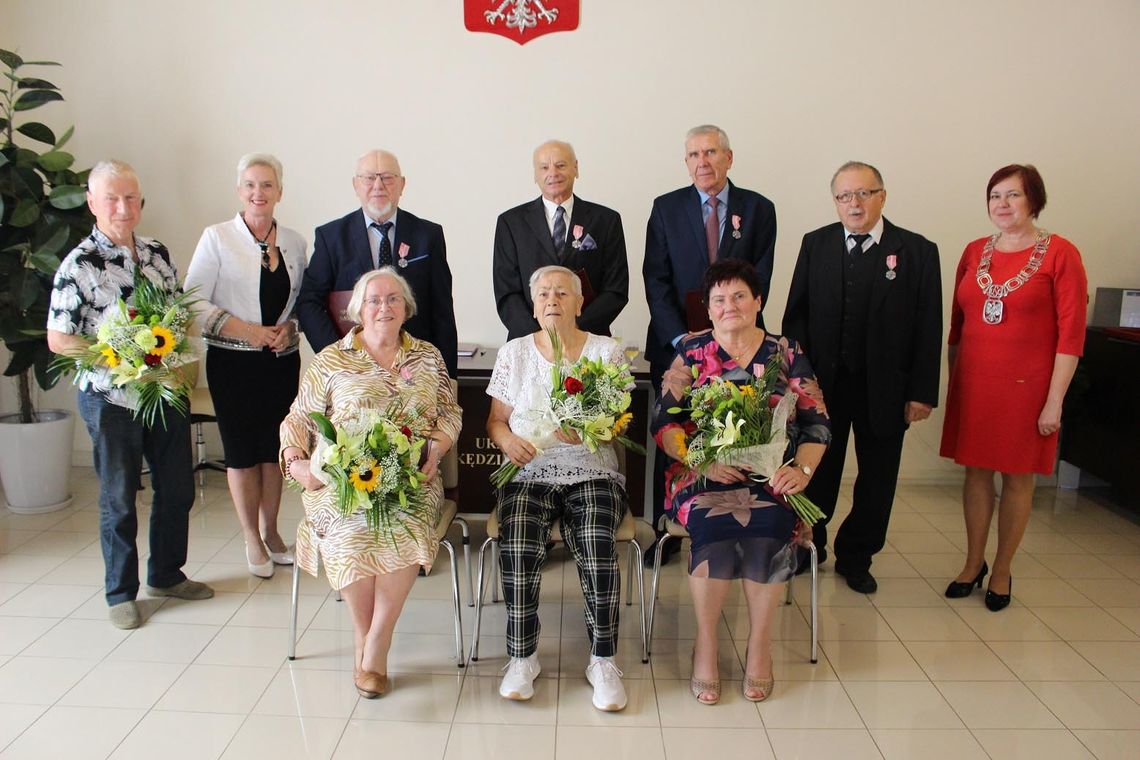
(904, 673)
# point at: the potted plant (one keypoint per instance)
(43, 215)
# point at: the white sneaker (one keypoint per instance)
(604, 676)
(518, 683)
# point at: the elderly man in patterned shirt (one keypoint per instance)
(89, 283)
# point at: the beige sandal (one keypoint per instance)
(699, 686)
(762, 685)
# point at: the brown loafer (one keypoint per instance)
(368, 684)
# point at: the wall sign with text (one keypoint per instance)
(520, 20)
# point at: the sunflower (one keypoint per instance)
(622, 423)
(111, 357)
(747, 390)
(164, 340)
(365, 478)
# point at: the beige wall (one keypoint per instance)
(946, 93)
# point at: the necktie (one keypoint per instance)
(559, 233)
(859, 240)
(384, 254)
(712, 229)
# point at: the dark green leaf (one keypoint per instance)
(27, 183)
(3, 125)
(30, 289)
(44, 262)
(23, 357)
(27, 159)
(31, 83)
(42, 63)
(66, 136)
(35, 98)
(68, 196)
(37, 131)
(324, 426)
(10, 59)
(55, 243)
(4, 160)
(25, 213)
(43, 359)
(56, 160)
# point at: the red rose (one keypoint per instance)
(573, 385)
(407, 431)
(152, 360)
(132, 313)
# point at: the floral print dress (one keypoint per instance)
(740, 530)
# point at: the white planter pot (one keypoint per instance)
(35, 461)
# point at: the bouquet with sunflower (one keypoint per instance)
(741, 426)
(372, 461)
(145, 348)
(591, 398)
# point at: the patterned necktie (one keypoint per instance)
(859, 240)
(559, 233)
(712, 229)
(384, 254)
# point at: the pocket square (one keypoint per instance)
(588, 244)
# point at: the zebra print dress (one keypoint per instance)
(341, 380)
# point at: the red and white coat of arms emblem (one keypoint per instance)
(520, 20)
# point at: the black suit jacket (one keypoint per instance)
(523, 244)
(676, 257)
(341, 254)
(904, 324)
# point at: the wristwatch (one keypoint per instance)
(805, 469)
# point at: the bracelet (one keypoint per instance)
(289, 464)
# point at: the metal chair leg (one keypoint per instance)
(465, 529)
(295, 596)
(480, 589)
(653, 596)
(635, 552)
(629, 582)
(456, 604)
(814, 604)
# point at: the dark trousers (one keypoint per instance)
(120, 443)
(591, 513)
(864, 532)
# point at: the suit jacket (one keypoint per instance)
(523, 244)
(341, 254)
(904, 323)
(676, 257)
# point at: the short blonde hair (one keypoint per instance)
(538, 274)
(261, 159)
(356, 302)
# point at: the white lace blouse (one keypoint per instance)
(521, 380)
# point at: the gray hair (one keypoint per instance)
(352, 311)
(538, 274)
(261, 159)
(856, 165)
(710, 129)
(561, 144)
(110, 168)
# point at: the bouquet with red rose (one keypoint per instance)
(590, 398)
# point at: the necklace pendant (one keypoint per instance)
(993, 311)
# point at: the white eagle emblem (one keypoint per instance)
(518, 14)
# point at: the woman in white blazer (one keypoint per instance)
(246, 273)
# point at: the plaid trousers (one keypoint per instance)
(591, 513)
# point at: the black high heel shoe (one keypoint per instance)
(958, 589)
(998, 602)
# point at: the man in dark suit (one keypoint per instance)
(688, 229)
(559, 228)
(866, 305)
(380, 234)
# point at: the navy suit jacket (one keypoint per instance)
(676, 257)
(904, 323)
(523, 244)
(341, 254)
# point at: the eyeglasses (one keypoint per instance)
(860, 194)
(387, 179)
(393, 300)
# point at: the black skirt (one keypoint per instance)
(252, 392)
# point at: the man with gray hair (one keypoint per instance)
(378, 234)
(866, 305)
(88, 285)
(559, 228)
(690, 228)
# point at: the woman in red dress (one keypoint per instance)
(1017, 327)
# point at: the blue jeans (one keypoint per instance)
(120, 443)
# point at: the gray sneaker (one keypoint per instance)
(125, 615)
(187, 589)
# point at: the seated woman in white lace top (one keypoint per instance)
(559, 478)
